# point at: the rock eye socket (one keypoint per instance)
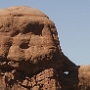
(34, 28)
(24, 46)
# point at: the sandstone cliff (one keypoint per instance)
(30, 54)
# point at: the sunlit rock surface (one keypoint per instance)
(30, 54)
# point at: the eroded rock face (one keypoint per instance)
(31, 56)
(28, 46)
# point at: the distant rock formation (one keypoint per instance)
(30, 54)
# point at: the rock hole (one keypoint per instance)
(24, 46)
(34, 28)
(66, 72)
(8, 25)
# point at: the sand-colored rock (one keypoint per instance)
(30, 54)
(29, 45)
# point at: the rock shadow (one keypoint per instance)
(70, 75)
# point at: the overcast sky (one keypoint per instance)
(72, 19)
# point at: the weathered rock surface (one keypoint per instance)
(30, 54)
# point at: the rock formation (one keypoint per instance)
(30, 54)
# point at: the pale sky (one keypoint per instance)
(72, 20)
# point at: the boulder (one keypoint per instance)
(29, 49)
(31, 57)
